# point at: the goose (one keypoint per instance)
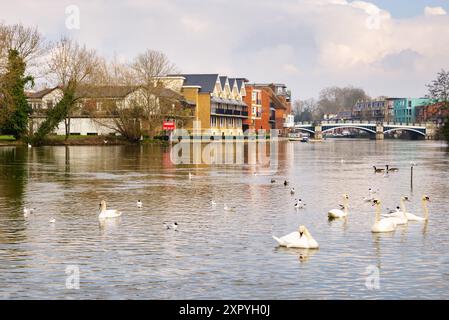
(382, 225)
(299, 204)
(298, 239)
(378, 170)
(285, 183)
(391, 169)
(27, 211)
(342, 212)
(173, 226)
(292, 191)
(370, 197)
(52, 220)
(104, 213)
(412, 217)
(226, 208)
(139, 204)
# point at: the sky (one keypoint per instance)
(387, 47)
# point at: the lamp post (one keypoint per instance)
(412, 165)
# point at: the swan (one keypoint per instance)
(382, 225)
(52, 220)
(299, 204)
(226, 208)
(139, 204)
(173, 226)
(378, 170)
(412, 217)
(340, 213)
(298, 239)
(104, 213)
(292, 191)
(370, 197)
(105, 141)
(29, 145)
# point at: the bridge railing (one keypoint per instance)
(361, 122)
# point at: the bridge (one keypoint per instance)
(379, 129)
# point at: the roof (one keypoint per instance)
(231, 82)
(206, 82)
(223, 81)
(39, 94)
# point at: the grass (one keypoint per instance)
(7, 138)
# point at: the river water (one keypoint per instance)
(218, 254)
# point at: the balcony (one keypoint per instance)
(227, 112)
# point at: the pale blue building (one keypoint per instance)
(405, 108)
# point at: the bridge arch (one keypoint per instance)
(349, 126)
(406, 129)
(304, 129)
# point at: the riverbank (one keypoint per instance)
(76, 140)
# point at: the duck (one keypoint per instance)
(139, 204)
(104, 213)
(411, 217)
(378, 170)
(173, 226)
(298, 239)
(382, 225)
(292, 191)
(226, 208)
(391, 169)
(299, 204)
(342, 212)
(27, 211)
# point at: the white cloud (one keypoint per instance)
(434, 11)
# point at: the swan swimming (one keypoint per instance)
(139, 204)
(299, 204)
(29, 145)
(382, 225)
(412, 217)
(104, 213)
(342, 212)
(298, 239)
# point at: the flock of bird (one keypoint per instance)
(303, 238)
(383, 222)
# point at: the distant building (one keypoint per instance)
(405, 108)
(434, 112)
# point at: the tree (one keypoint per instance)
(305, 110)
(15, 108)
(336, 99)
(439, 90)
(72, 66)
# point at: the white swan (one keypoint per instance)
(412, 217)
(52, 220)
(139, 204)
(340, 213)
(298, 239)
(299, 204)
(29, 145)
(104, 213)
(382, 225)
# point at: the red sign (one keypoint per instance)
(168, 125)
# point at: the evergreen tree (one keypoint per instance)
(16, 106)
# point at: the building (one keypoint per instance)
(219, 104)
(269, 107)
(405, 109)
(434, 112)
(371, 110)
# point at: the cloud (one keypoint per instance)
(434, 11)
(307, 44)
